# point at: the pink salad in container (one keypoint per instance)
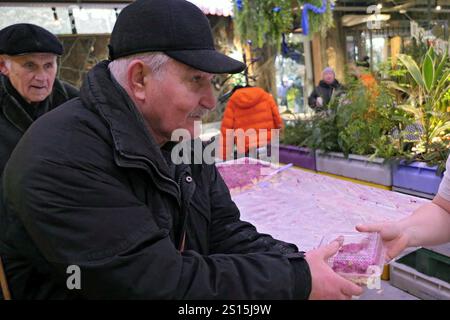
(361, 256)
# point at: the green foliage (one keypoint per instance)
(404, 119)
(426, 99)
(416, 50)
(297, 133)
(366, 121)
(260, 23)
(291, 95)
(319, 22)
(361, 122)
(264, 21)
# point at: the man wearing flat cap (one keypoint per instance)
(93, 186)
(28, 84)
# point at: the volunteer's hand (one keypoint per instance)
(394, 237)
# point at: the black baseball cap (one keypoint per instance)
(23, 38)
(176, 27)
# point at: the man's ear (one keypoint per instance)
(136, 75)
(3, 69)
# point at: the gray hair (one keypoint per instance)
(154, 60)
(6, 61)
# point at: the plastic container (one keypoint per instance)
(360, 259)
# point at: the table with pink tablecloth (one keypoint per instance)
(301, 207)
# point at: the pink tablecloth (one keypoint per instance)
(301, 207)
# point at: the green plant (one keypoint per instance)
(317, 132)
(297, 132)
(427, 93)
(292, 94)
(368, 120)
(364, 121)
(263, 21)
(416, 49)
(319, 22)
(324, 135)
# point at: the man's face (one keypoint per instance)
(32, 75)
(175, 99)
(328, 77)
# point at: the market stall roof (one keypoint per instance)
(211, 7)
(225, 7)
(395, 6)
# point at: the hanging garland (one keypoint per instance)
(327, 7)
(264, 21)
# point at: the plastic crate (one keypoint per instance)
(413, 193)
(416, 177)
(443, 249)
(418, 284)
(298, 156)
(423, 273)
(356, 167)
(433, 264)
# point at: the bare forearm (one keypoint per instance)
(428, 225)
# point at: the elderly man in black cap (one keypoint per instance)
(96, 207)
(28, 84)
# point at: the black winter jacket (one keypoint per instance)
(16, 115)
(88, 186)
(325, 91)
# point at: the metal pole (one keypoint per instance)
(429, 15)
(309, 74)
(371, 50)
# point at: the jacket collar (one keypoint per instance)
(11, 108)
(334, 84)
(14, 106)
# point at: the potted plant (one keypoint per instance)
(292, 148)
(427, 101)
(358, 131)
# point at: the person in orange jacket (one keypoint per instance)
(249, 108)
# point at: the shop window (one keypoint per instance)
(56, 20)
(291, 75)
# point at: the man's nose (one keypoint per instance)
(40, 75)
(208, 100)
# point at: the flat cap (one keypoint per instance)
(23, 38)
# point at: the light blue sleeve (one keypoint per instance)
(444, 187)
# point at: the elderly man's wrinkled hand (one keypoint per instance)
(326, 284)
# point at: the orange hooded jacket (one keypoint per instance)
(249, 108)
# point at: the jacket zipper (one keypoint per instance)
(157, 171)
(182, 243)
(180, 200)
